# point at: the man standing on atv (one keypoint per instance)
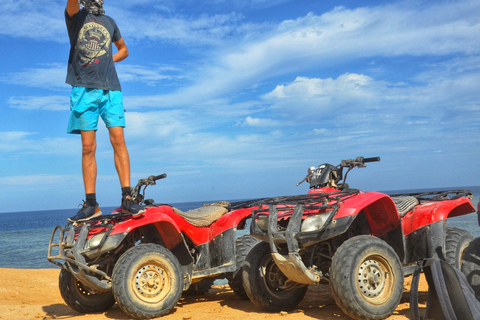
(96, 92)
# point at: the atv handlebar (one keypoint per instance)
(357, 162)
(150, 180)
(374, 159)
(137, 193)
(160, 176)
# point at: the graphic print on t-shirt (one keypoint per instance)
(93, 42)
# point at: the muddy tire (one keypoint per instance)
(147, 281)
(78, 297)
(366, 278)
(265, 284)
(199, 288)
(243, 246)
(456, 240)
(471, 265)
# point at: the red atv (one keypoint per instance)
(361, 243)
(145, 262)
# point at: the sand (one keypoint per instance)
(33, 294)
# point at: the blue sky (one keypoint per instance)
(236, 99)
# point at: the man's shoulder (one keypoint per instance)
(105, 19)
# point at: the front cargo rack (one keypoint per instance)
(312, 201)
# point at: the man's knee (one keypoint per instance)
(89, 147)
(89, 143)
(117, 137)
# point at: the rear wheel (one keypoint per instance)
(266, 286)
(81, 298)
(456, 240)
(366, 278)
(243, 246)
(147, 281)
(471, 265)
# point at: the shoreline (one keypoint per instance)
(28, 294)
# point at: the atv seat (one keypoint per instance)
(404, 204)
(203, 216)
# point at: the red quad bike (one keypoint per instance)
(145, 262)
(361, 243)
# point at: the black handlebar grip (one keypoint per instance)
(374, 159)
(161, 176)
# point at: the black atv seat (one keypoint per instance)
(404, 204)
(203, 216)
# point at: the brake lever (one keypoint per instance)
(308, 175)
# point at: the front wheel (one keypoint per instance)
(147, 281)
(456, 240)
(471, 265)
(266, 286)
(81, 298)
(366, 278)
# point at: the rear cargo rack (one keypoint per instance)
(438, 195)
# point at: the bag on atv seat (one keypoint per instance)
(450, 297)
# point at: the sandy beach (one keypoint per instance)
(33, 294)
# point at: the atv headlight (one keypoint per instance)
(262, 223)
(95, 240)
(112, 242)
(314, 223)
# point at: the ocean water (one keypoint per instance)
(24, 236)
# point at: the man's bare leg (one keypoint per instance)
(121, 156)
(89, 163)
(90, 208)
(122, 164)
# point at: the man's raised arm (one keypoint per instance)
(72, 7)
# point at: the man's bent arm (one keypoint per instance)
(122, 50)
(72, 7)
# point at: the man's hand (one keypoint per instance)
(72, 7)
(122, 51)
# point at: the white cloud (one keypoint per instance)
(249, 4)
(334, 38)
(196, 30)
(146, 74)
(155, 125)
(359, 100)
(143, 20)
(34, 19)
(50, 77)
(51, 103)
(258, 122)
(11, 141)
(294, 45)
(39, 180)
(20, 143)
(314, 99)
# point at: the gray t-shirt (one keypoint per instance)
(90, 63)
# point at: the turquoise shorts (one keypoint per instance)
(87, 105)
